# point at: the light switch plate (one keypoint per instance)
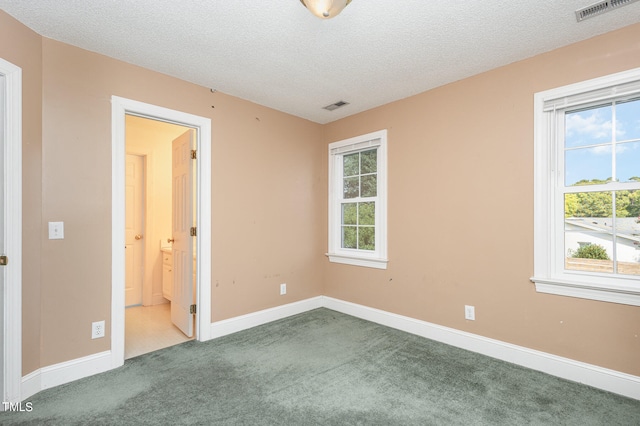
(56, 230)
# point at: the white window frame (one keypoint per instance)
(337, 150)
(550, 275)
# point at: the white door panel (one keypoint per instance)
(134, 247)
(182, 222)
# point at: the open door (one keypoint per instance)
(182, 225)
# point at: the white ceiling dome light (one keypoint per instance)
(325, 9)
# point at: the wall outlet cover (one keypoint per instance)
(469, 312)
(97, 329)
(56, 230)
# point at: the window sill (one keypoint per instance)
(366, 262)
(627, 295)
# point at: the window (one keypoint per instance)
(358, 201)
(587, 189)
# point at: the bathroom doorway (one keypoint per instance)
(120, 108)
(148, 234)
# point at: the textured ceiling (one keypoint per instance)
(277, 54)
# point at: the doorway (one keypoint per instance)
(121, 108)
(11, 238)
(148, 235)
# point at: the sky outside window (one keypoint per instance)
(589, 143)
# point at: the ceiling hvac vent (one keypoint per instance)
(600, 8)
(336, 105)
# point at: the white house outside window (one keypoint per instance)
(357, 200)
(587, 189)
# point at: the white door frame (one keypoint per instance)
(12, 309)
(119, 108)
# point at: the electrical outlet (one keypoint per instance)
(470, 312)
(283, 289)
(97, 329)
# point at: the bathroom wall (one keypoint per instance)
(152, 139)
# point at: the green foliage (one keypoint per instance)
(360, 174)
(358, 225)
(359, 218)
(600, 204)
(590, 251)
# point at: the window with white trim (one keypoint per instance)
(358, 201)
(587, 189)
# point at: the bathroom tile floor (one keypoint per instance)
(149, 328)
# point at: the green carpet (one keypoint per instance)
(323, 368)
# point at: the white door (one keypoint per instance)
(134, 247)
(182, 222)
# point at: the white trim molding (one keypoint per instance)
(65, 372)
(12, 296)
(550, 274)
(376, 258)
(576, 371)
(119, 108)
(254, 319)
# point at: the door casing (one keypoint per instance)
(121, 107)
(12, 222)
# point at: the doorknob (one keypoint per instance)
(138, 237)
(170, 240)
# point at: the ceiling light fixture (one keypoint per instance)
(325, 9)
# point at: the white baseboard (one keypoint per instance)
(64, 372)
(158, 299)
(243, 322)
(588, 374)
(592, 375)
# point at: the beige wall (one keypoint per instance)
(22, 47)
(461, 211)
(264, 168)
(266, 183)
(152, 139)
(460, 193)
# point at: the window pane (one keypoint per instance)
(628, 232)
(628, 256)
(588, 127)
(588, 252)
(588, 165)
(349, 237)
(628, 120)
(369, 185)
(351, 164)
(351, 186)
(349, 214)
(628, 162)
(628, 206)
(366, 239)
(367, 213)
(369, 161)
(595, 206)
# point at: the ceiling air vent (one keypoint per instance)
(336, 105)
(600, 8)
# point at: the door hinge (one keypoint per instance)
(194, 155)
(194, 232)
(192, 309)
(4, 260)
